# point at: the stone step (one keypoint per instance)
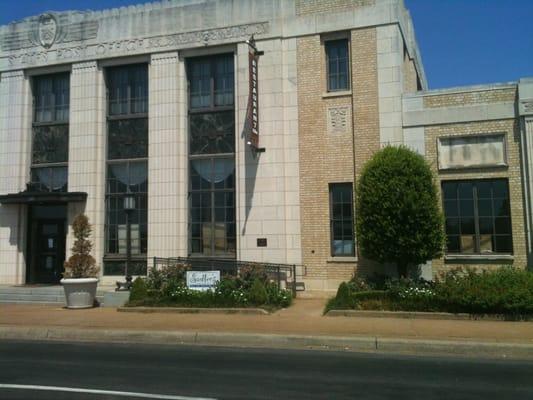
(52, 295)
(37, 299)
(32, 297)
(51, 290)
(43, 303)
(33, 292)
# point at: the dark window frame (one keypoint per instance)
(336, 42)
(212, 141)
(212, 155)
(140, 193)
(58, 81)
(461, 203)
(212, 61)
(129, 71)
(335, 219)
(213, 191)
(112, 259)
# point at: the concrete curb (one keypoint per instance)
(300, 342)
(195, 310)
(413, 315)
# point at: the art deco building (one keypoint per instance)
(231, 151)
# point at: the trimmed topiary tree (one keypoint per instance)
(398, 216)
(81, 264)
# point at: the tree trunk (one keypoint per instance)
(402, 269)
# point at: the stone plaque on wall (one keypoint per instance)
(472, 151)
(338, 120)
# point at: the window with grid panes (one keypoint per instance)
(337, 58)
(478, 217)
(51, 98)
(127, 167)
(211, 156)
(341, 219)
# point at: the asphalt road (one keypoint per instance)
(224, 373)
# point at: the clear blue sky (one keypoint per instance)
(463, 42)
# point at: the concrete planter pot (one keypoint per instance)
(80, 292)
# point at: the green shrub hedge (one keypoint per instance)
(504, 291)
(167, 287)
(138, 290)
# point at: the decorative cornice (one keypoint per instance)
(50, 28)
(84, 66)
(164, 58)
(138, 45)
(18, 74)
(528, 105)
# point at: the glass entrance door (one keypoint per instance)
(50, 251)
(47, 237)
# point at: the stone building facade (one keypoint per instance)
(152, 103)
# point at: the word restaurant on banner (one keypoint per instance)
(253, 100)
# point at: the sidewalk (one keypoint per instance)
(301, 326)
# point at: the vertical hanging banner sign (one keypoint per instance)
(253, 100)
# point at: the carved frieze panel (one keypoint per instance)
(49, 29)
(131, 46)
(526, 107)
(476, 151)
(338, 120)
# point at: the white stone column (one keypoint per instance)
(414, 136)
(390, 84)
(291, 157)
(15, 148)
(527, 177)
(86, 158)
(268, 184)
(525, 115)
(167, 162)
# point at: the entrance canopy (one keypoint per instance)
(27, 197)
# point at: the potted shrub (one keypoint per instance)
(81, 273)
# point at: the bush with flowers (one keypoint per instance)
(251, 287)
(503, 291)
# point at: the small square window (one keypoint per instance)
(337, 58)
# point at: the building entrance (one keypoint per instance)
(46, 243)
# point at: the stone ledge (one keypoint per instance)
(338, 93)
(412, 315)
(193, 310)
(459, 114)
(478, 257)
(341, 260)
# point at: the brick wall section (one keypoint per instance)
(512, 173)
(365, 107)
(329, 158)
(304, 7)
(409, 74)
(471, 97)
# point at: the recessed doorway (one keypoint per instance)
(46, 243)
